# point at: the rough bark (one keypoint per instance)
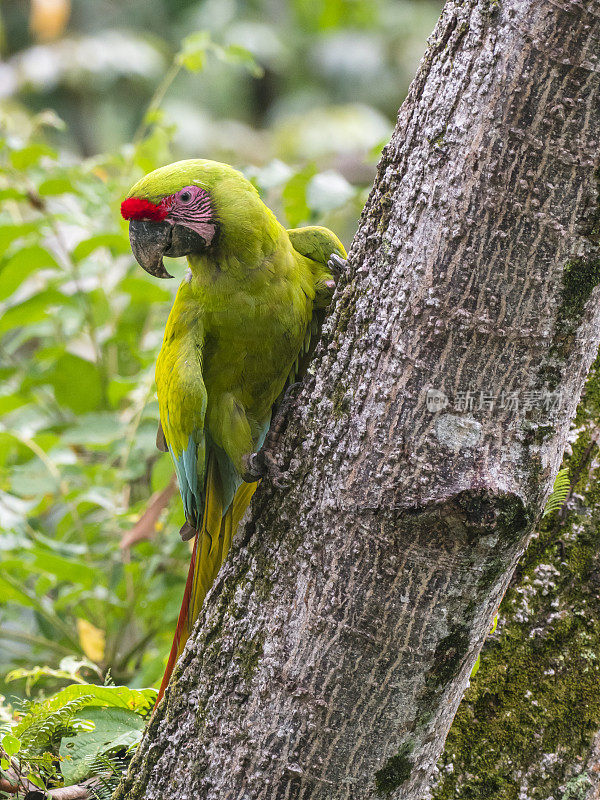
(528, 726)
(337, 642)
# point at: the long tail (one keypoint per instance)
(211, 545)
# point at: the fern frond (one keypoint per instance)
(108, 769)
(41, 725)
(560, 490)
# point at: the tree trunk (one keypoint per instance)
(337, 642)
(529, 724)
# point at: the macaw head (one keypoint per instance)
(184, 209)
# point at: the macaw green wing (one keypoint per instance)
(182, 407)
(318, 245)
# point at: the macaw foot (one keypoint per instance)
(337, 265)
(187, 531)
(262, 464)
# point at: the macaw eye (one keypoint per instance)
(185, 197)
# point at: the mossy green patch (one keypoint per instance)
(484, 513)
(383, 210)
(395, 771)
(577, 788)
(340, 400)
(580, 278)
(512, 517)
(345, 309)
(249, 653)
(449, 654)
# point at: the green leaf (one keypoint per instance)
(69, 670)
(114, 241)
(4, 763)
(64, 569)
(30, 155)
(33, 479)
(139, 700)
(21, 265)
(8, 233)
(11, 194)
(236, 54)
(161, 472)
(154, 149)
(54, 186)
(77, 384)
(560, 490)
(34, 309)
(192, 54)
(36, 780)
(94, 429)
(8, 402)
(154, 116)
(143, 292)
(10, 744)
(114, 729)
(294, 196)
(118, 388)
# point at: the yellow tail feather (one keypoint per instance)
(215, 538)
(207, 562)
(211, 547)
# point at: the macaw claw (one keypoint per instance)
(337, 265)
(187, 531)
(161, 442)
(262, 465)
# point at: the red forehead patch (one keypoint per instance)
(136, 208)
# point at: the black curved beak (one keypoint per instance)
(150, 241)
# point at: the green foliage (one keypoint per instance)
(294, 195)
(79, 330)
(113, 729)
(75, 734)
(196, 46)
(560, 490)
(78, 340)
(396, 770)
(69, 669)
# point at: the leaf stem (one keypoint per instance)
(156, 100)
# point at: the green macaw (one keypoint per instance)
(239, 331)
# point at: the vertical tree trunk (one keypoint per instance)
(337, 642)
(529, 724)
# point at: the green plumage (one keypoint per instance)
(237, 328)
(241, 321)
